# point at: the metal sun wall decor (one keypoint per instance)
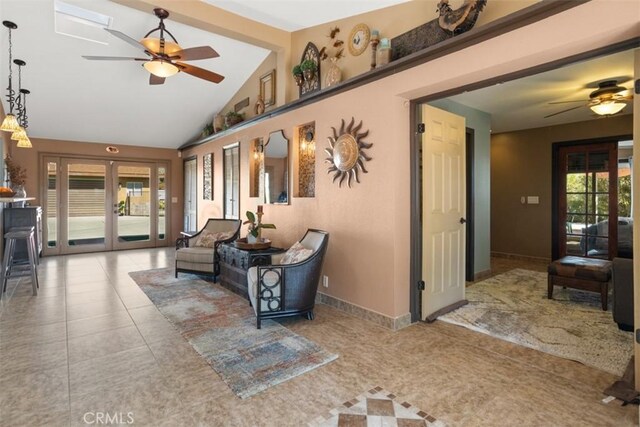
(346, 153)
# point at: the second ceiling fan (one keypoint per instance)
(608, 99)
(164, 57)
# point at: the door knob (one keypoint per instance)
(462, 220)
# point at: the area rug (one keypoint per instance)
(221, 327)
(513, 306)
(376, 407)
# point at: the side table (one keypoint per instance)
(234, 263)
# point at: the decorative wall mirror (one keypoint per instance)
(276, 169)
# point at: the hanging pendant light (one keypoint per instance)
(10, 122)
(23, 140)
(19, 133)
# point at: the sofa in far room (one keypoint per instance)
(622, 278)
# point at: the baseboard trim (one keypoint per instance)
(521, 257)
(481, 275)
(360, 312)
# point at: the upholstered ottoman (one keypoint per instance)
(587, 274)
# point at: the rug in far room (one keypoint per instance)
(514, 306)
(221, 327)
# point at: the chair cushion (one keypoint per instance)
(581, 268)
(195, 255)
(296, 253)
(208, 239)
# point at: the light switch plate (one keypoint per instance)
(174, 200)
(533, 200)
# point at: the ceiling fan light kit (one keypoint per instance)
(161, 68)
(608, 108)
(164, 55)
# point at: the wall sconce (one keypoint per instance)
(257, 150)
(308, 144)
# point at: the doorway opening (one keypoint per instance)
(101, 205)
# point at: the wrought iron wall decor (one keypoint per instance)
(207, 174)
(346, 152)
(312, 85)
(307, 161)
(449, 23)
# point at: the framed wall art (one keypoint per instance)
(207, 176)
(268, 88)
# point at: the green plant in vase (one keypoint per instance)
(297, 74)
(309, 68)
(255, 226)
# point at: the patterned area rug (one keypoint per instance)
(221, 327)
(376, 407)
(513, 306)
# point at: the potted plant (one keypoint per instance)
(297, 74)
(309, 68)
(255, 227)
(232, 118)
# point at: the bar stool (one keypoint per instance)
(33, 238)
(11, 269)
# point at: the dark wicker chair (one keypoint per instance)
(199, 260)
(288, 289)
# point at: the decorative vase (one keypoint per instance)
(218, 123)
(309, 75)
(299, 79)
(20, 192)
(334, 74)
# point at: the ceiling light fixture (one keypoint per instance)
(24, 141)
(608, 108)
(10, 123)
(160, 68)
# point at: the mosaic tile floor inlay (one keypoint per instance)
(376, 407)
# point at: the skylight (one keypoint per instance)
(75, 21)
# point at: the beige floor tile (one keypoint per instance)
(35, 417)
(104, 343)
(112, 371)
(32, 357)
(146, 314)
(99, 295)
(44, 389)
(105, 322)
(96, 308)
(28, 334)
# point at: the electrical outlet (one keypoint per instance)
(325, 281)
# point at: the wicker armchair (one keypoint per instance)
(280, 290)
(203, 260)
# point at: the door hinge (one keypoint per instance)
(421, 128)
(637, 85)
(421, 285)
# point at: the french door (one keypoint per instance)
(101, 205)
(190, 195)
(587, 195)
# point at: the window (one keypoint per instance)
(134, 188)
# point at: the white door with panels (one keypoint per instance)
(443, 210)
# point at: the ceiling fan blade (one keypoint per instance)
(567, 102)
(113, 58)
(195, 53)
(127, 39)
(155, 80)
(200, 72)
(563, 111)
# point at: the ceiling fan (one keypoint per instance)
(164, 57)
(607, 100)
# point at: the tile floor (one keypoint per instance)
(91, 349)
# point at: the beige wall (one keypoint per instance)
(29, 159)
(521, 166)
(251, 89)
(368, 257)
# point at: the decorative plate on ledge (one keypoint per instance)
(242, 244)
